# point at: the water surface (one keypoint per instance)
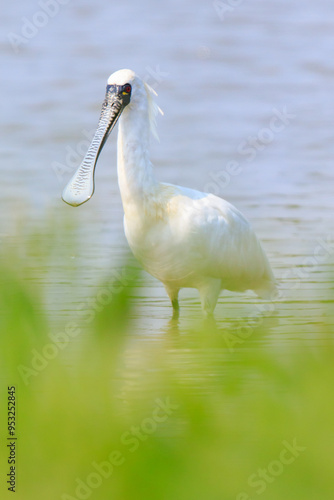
(221, 83)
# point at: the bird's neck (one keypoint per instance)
(136, 179)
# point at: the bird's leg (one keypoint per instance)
(173, 294)
(209, 292)
(176, 308)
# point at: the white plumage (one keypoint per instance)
(183, 237)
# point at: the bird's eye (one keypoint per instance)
(127, 88)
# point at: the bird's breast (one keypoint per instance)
(155, 242)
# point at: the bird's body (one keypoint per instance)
(183, 237)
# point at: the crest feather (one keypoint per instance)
(153, 109)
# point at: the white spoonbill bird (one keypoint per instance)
(183, 237)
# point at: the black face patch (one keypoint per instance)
(123, 92)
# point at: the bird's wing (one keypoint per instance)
(221, 241)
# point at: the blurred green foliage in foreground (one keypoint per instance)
(103, 415)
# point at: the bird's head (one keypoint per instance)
(124, 88)
(127, 87)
